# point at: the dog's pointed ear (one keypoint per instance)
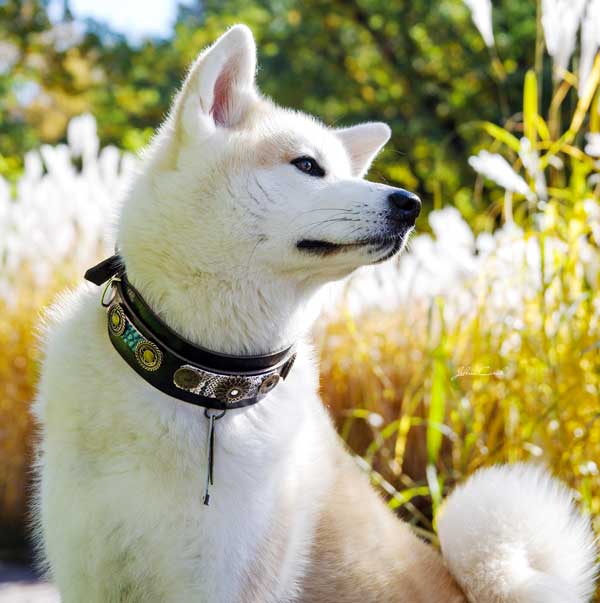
(363, 142)
(220, 86)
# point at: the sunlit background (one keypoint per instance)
(136, 19)
(481, 345)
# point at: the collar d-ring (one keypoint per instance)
(216, 417)
(109, 285)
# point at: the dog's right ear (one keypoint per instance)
(363, 142)
(219, 87)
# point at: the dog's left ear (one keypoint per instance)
(363, 142)
(220, 86)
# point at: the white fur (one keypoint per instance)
(512, 534)
(208, 234)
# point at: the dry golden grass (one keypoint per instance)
(19, 370)
(427, 403)
(18, 373)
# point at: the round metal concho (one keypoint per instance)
(268, 383)
(232, 389)
(116, 320)
(148, 355)
(186, 378)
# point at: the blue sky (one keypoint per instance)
(135, 18)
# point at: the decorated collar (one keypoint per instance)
(173, 364)
(177, 367)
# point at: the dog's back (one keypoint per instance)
(361, 551)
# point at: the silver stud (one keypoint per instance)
(268, 383)
(186, 378)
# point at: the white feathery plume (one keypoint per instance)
(560, 20)
(60, 214)
(82, 138)
(590, 42)
(531, 161)
(592, 148)
(496, 168)
(481, 13)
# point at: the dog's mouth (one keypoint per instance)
(388, 245)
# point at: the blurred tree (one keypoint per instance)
(421, 66)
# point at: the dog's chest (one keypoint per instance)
(136, 464)
(214, 553)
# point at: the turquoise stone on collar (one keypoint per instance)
(131, 337)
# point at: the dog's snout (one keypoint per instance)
(406, 206)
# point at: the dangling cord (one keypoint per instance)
(210, 451)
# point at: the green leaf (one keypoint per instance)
(530, 104)
(501, 135)
(595, 114)
(542, 128)
(437, 408)
(401, 498)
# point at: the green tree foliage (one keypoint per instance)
(420, 65)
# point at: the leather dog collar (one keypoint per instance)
(173, 364)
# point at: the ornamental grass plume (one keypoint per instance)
(60, 213)
(561, 20)
(481, 13)
(590, 41)
(496, 168)
(593, 145)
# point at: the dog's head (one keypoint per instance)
(235, 184)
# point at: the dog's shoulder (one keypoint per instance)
(73, 311)
(73, 342)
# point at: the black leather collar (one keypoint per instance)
(173, 364)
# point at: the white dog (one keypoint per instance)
(241, 212)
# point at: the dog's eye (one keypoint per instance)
(309, 166)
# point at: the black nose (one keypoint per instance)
(406, 206)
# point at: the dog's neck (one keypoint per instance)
(237, 311)
(232, 315)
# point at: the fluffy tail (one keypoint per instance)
(512, 534)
